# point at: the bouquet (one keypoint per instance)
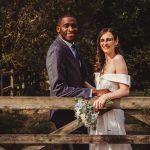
(85, 114)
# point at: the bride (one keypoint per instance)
(111, 74)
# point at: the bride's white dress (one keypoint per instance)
(111, 122)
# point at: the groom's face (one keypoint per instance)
(67, 28)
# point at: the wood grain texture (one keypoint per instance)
(46, 102)
(72, 138)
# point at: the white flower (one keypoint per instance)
(85, 114)
(78, 113)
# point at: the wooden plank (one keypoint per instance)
(139, 115)
(6, 89)
(46, 102)
(130, 128)
(36, 147)
(135, 102)
(2, 148)
(144, 118)
(70, 127)
(73, 138)
(43, 102)
(63, 130)
(6, 73)
(137, 129)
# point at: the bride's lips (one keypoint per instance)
(106, 47)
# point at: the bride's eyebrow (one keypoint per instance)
(107, 39)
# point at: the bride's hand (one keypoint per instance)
(99, 103)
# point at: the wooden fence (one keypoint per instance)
(136, 107)
(11, 86)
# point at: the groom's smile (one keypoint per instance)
(67, 28)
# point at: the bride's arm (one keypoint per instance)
(121, 68)
(123, 89)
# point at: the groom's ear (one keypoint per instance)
(58, 29)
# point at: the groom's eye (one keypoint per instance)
(71, 25)
(66, 25)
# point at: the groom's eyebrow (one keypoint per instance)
(74, 25)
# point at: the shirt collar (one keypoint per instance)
(68, 43)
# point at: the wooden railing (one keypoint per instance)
(11, 86)
(133, 106)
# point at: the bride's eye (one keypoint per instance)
(101, 40)
(106, 40)
(109, 39)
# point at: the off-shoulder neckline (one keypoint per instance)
(112, 74)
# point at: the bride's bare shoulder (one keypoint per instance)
(118, 57)
(120, 64)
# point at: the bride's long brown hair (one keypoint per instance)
(100, 56)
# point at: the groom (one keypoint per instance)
(67, 72)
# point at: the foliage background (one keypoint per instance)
(27, 28)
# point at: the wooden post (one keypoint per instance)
(1, 83)
(12, 82)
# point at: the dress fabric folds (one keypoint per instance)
(111, 122)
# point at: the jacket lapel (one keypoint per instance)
(67, 50)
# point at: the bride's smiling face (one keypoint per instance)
(108, 43)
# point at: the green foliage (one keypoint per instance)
(139, 64)
(11, 121)
(19, 122)
(43, 126)
(146, 92)
(27, 28)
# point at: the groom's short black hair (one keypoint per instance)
(63, 16)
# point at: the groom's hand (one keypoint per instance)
(100, 92)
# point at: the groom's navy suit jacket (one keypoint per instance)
(65, 75)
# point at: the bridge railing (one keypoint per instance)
(134, 106)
